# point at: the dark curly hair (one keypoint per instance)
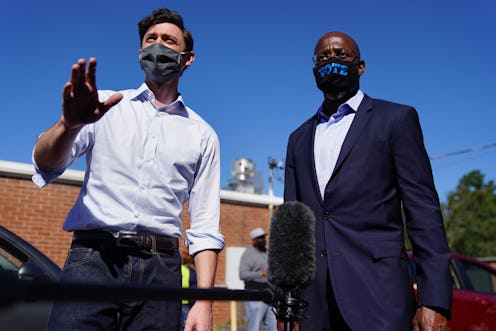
(164, 15)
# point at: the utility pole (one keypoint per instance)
(273, 164)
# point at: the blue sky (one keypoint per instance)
(252, 79)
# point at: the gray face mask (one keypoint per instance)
(160, 63)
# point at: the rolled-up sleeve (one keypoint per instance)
(204, 201)
(43, 177)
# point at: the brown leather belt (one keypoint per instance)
(127, 239)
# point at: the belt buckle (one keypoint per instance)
(125, 239)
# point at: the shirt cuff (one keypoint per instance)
(45, 177)
(197, 242)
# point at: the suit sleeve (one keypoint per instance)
(424, 221)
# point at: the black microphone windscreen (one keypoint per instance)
(292, 246)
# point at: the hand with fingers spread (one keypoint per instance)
(80, 98)
(80, 106)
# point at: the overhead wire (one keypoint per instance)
(463, 151)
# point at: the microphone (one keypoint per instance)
(291, 259)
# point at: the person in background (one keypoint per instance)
(147, 153)
(253, 271)
(360, 164)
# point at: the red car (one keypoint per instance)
(474, 294)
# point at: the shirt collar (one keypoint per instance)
(177, 107)
(353, 102)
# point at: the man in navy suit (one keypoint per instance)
(360, 164)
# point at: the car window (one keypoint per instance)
(15, 252)
(482, 279)
(455, 278)
(7, 261)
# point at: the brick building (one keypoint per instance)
(37, 216)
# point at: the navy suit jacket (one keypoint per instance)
(359, 232)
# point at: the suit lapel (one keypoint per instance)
(359, 122)
(310, 157)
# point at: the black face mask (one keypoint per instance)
(160, 63)
(338, 79)
(260, 244)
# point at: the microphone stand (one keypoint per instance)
(291, 308)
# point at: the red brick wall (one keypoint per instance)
(37, 216)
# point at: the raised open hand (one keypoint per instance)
(80, 97)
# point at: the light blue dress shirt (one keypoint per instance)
(143, 164)
(329, 138)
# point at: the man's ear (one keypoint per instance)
(361, 67)
(188, 59)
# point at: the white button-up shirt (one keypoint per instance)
(329, 138)
(143, 164)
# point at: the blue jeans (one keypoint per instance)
(100, 263)
(258, 311)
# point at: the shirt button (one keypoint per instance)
(326, 216)
(323, 253)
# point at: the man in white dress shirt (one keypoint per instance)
(147, 153)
